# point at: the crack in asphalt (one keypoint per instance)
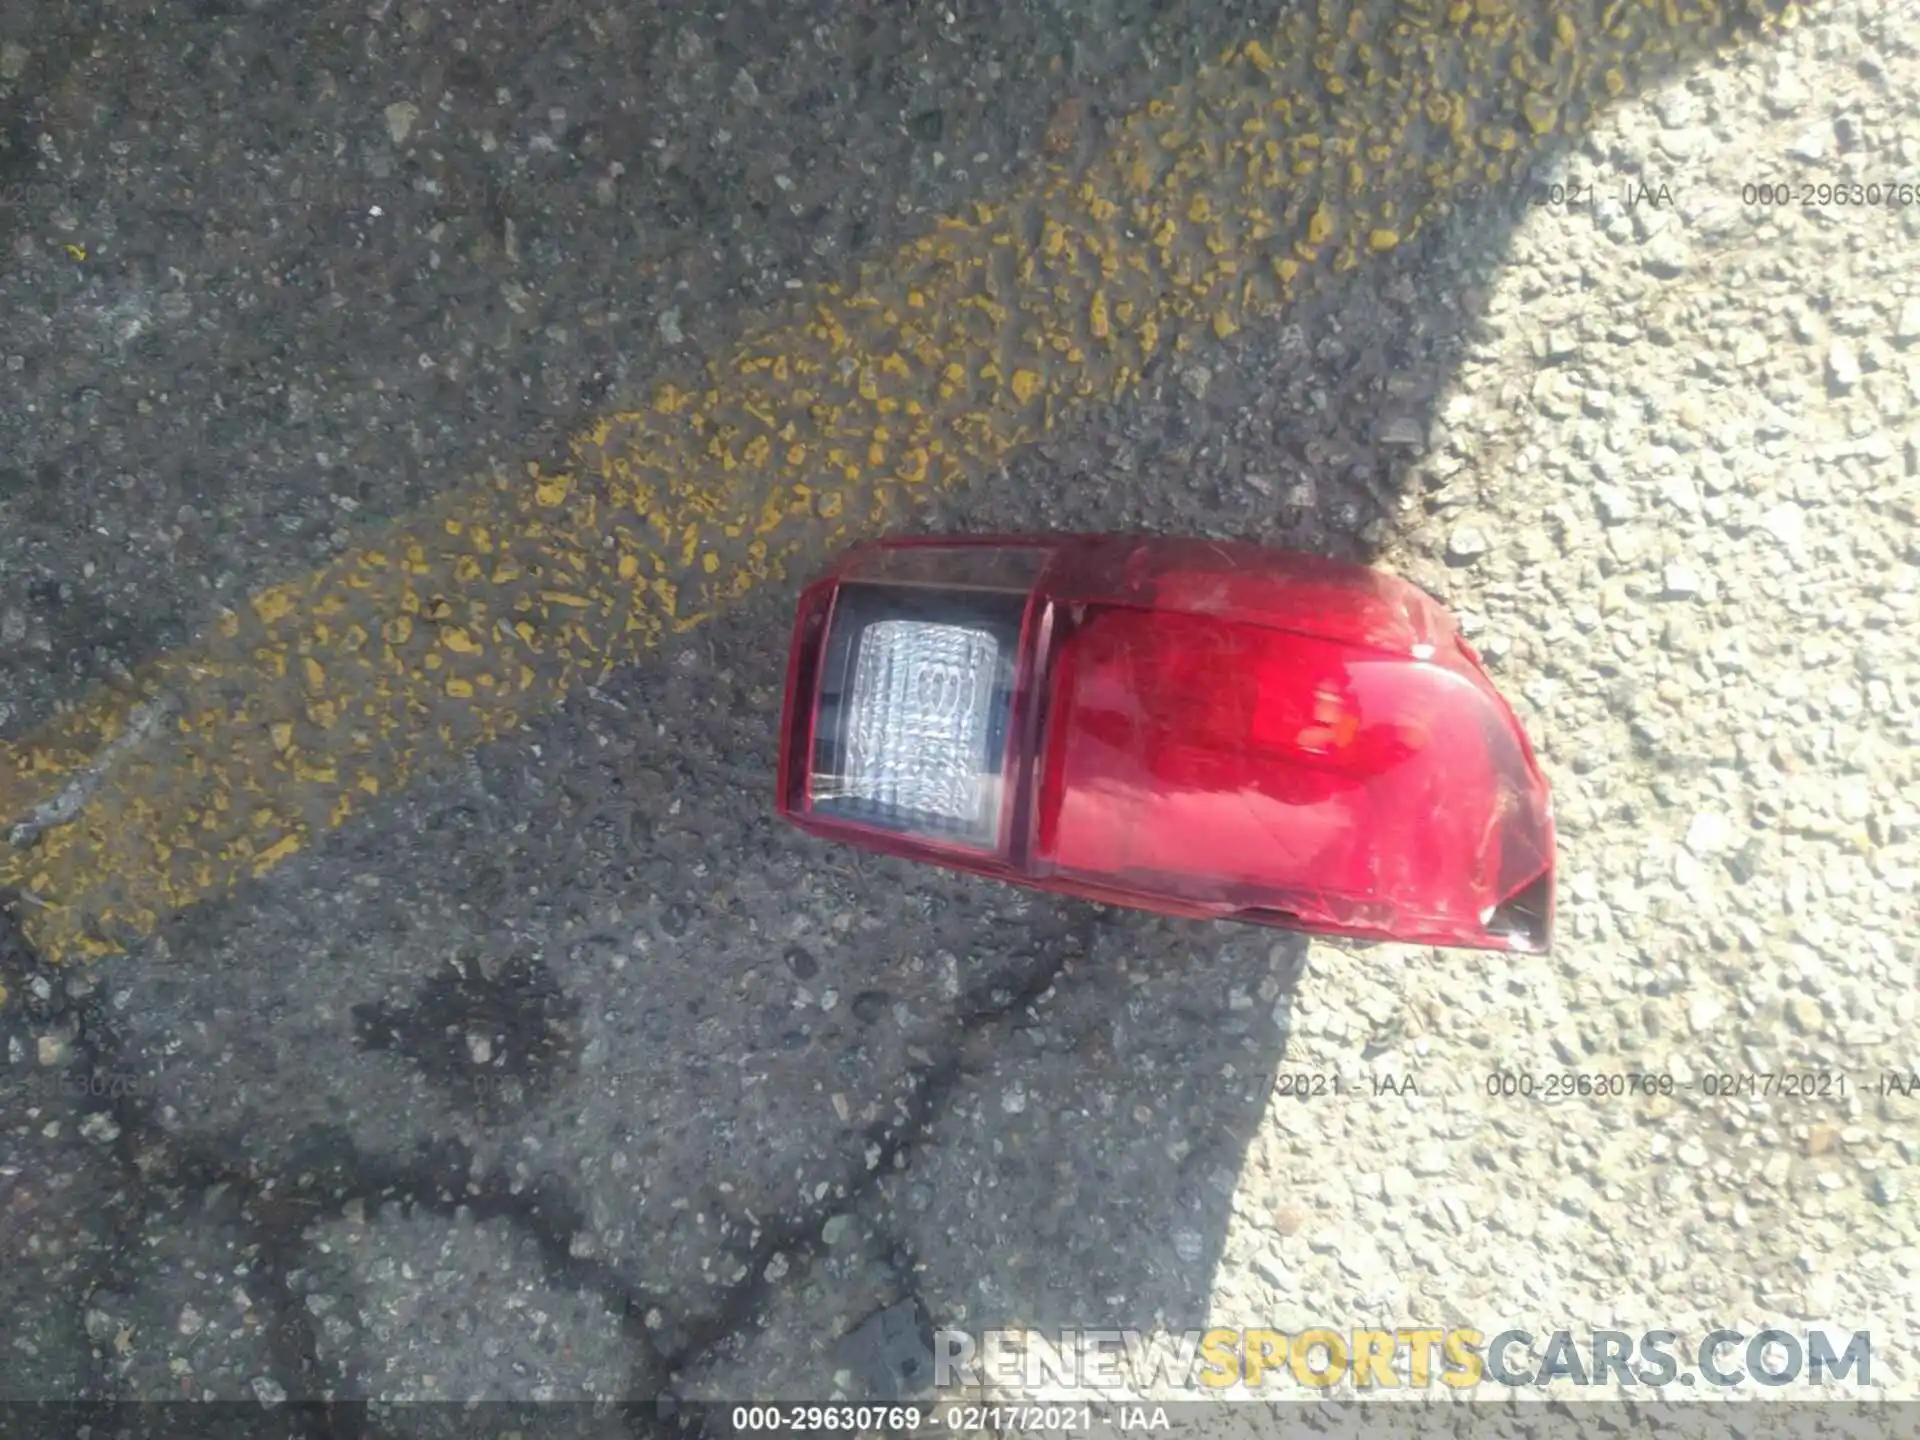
(934, 1087)
(65, 806)
(327, 1171)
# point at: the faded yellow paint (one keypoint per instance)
(1213, 206)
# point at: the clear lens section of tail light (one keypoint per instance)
(911, 711)
(917, 745)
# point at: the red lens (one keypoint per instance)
(1229, 764)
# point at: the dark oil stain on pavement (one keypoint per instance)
(490, 1034)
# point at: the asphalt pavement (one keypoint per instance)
(415, 426)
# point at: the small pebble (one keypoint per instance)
(1680, 581)
(1467, 542)
(401, 116)
(1843, 366)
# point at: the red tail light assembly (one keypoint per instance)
(1197, 728)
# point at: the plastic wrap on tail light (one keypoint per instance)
(1192, 727)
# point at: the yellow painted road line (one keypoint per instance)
(1338, 137)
